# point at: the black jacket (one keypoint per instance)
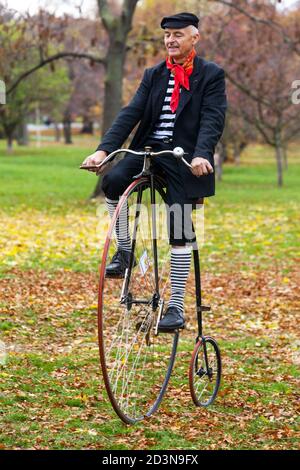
(199, 121)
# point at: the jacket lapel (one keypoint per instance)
(185, 95)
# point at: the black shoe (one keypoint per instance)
(118, 265)
(172, 320)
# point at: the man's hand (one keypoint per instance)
(95, 159)
(201, 166)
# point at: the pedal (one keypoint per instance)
(176, 330)
(205, 308)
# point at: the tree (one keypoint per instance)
(255, 11)
(27, 44)
(261, 67)
(117, 21)
(40, 87)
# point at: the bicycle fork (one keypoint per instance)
(200, 308)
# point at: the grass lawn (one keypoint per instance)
(51, 236)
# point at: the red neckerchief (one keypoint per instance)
(181, 75)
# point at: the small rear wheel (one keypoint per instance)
(205, 371)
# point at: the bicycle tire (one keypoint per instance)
(121, 382)
(198, 375)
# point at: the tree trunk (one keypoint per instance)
(284, 156)
(113, 93)
(279, 154)
(57, 132)
(9, 132)
(113, 84)
(218, 159)
(236, 153)
(22, 133)
(87, 126)
(218, 166)
(224, 152)
(117, 28)
(67, 128)
(9, 143)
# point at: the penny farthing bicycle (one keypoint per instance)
(136, 358)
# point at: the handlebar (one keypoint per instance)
(177, 152)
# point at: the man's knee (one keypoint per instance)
(113, 184)
(180, 225)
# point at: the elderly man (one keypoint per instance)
(180, 102)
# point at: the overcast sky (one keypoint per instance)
(88, 7)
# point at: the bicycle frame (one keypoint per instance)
(147, 172)
(148, 179)
(199, 307)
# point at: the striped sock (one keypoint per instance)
(122, 225)
(180, 268)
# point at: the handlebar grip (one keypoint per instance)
(89, 167)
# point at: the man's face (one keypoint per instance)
(180, 42)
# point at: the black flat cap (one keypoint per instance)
(180, 20)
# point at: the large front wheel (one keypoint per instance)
(136, 362)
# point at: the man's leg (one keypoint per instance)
(179, 210)
(122, 225)
(181, 236)
(180, 263)
(114, 184)
(179, 271)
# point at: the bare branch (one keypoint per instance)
(267, 22)
(292, 133)
(255, 122)
(247, 90)
(60, 55)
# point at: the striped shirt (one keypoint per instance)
(165, 123)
